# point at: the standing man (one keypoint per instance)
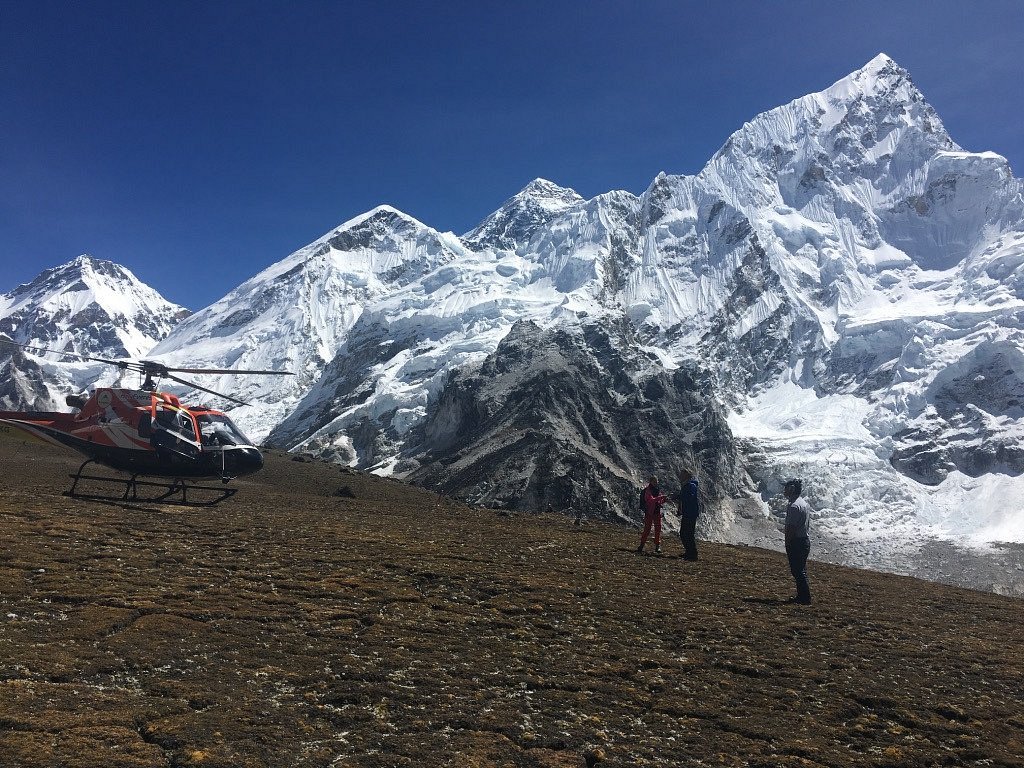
(798, 542)
(689, 511)
(652, 498)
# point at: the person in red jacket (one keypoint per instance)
(652, 498)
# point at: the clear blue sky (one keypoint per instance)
(212, 139)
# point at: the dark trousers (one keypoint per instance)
(688, 535)
(797, 552)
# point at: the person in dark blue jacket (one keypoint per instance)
(689, 511)
(798, 541)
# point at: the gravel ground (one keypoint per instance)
(293, 626)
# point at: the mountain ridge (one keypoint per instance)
(838, 274)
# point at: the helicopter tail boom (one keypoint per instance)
(41, 425)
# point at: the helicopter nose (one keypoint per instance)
(242, 461)
(250, 461)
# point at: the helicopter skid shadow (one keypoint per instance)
(161, 503)
(134, 506)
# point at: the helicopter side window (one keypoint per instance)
(185, 426)
(176, 421)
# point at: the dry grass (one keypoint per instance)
(293, 627)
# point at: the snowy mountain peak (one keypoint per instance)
(882, 69)
(82, 268)
(533, 207)
(542, 190)
(382, 214)
(87, 306)
(881, 61)
(294, 315)
(882, 82)
(866, 141)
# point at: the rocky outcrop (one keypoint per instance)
(22, 382)
(574, 420)
(970, 421)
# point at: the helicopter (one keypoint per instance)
(147, 433)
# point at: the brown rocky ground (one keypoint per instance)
(294, 627)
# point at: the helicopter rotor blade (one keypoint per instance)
(33, 348)
(203, 389)
(151, 368)
(225, 370)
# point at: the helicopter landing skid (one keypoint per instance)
(174, 491)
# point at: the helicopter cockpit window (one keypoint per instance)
(217, 429)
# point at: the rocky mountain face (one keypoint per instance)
(512, 226)
(563, 417)
(24, 384)
(839, 294)
(88, 307)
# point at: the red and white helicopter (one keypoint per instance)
(146, 433)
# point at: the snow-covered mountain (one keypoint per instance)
(842, 282)
(295, 315)
(850, 278)
(512, 225)
(88, 307)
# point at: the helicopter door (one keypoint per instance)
(174, 432)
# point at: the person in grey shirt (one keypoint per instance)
(798, 542)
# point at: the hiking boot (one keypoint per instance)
(657, 550)
(640, 549)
